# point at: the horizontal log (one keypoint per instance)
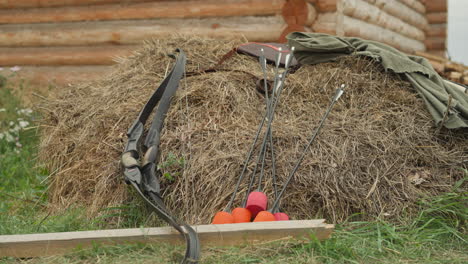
(35, 245)
(326, 23)
(437, 30)
(435, 43)
(453, 66)
(416, 5)
(5, 4)
(326, 5)
(98, 55)
(437, 52)
(135, 31)
(369, 13)
(437, 18)
(436, 6)
(327, 28)
(358, 28)
(438, 67)
(184, 9)
(55, 76)
(431, 57)
(397, 9)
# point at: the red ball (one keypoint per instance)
(256, 202)
(281, 217)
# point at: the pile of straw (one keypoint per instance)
(377, 154)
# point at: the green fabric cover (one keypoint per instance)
(313, 48)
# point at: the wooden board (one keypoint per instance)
(135, 31)
(35, 245)
(184, 9)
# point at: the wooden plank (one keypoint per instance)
(369, 13)
(35, 245)
(6, 4)
(437, 18)
(436, 6)
(184, 9)
(98, 55)
(437, 30)
(135, 31)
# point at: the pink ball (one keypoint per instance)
(256, 202)
(281, 217)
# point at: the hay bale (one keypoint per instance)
(377, 154)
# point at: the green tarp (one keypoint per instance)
(313, 48)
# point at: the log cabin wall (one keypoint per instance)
(62, 41)
(399, 23)
(436, 41)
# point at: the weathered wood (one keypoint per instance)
(311, 15)
(295, 12)
(359, 28)
(183, 9)
(416, 5)
(35, 245)
(436, 6)
(326, 23)
(437, 18)
(437, 30)
(326, 5)
(397, 9)
(431, 57)
(59, 76)
(135, 31)
(367, 12)
(438, 67)
(438, 52)
(435, 43)
(4, 4)
(98, 55)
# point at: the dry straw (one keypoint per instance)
(377, 153)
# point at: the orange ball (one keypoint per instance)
(241, 215)
(222, 218)
(264, 216)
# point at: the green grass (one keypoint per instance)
(438, 234)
